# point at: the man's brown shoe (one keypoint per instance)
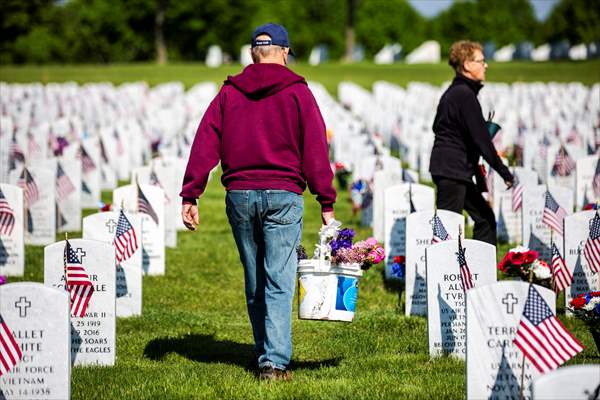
(274, 374)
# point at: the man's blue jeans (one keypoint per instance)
(267, 227)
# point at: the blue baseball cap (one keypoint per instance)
(278, 34)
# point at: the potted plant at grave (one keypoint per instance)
(586, 306)
(523, 263)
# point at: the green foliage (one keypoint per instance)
(575, 20)
(102, 31)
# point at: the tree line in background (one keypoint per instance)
(102, 31)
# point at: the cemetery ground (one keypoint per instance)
(194, 339)
(330, 74)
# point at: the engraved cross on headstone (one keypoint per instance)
(22, 305)
(80, 253)
(111, 225)
(509, 301)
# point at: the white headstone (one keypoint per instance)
(39, 214)
(214, 57)
(505, 53)
(153, 234)
(493, 360)
(577, 229)
(93, 335)
(103, 227)
(382, 180)
(68, 195)
(586, 168)
(12, 249)
(428, 52)
(419, 234)
(446, 318)
(38, 318)
(508, 221)
(541, 53)
(536, 234)
(398, 200)
(575, 382)
(245, 57)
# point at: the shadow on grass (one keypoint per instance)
(206, 349)
(394, 286)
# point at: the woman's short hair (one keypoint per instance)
(462, 51)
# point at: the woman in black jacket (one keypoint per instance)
(461, 137)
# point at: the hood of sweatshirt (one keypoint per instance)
(262, 80)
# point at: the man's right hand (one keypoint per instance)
(189, 215)
(327, 216)
(509, 184)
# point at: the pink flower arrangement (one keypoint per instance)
(365, 252)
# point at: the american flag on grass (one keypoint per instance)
(439, 231)
(87, 164)
(64, 186)
(125, 239)
(7, 216)
(591, 250)
(563, 163)
(15, 152)
(517, 194)
(33, 148)
(144, 205)
(78, 282)
(542, 338)
(465, 273)
(560, 273)
(554, 214)
(31, 193)
(119, 144)
(10, 352)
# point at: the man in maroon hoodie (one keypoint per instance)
(266, 129)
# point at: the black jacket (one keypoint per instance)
(461, 135)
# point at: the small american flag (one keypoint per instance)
(7, 216)
(10, 352)
(465, 272)
(439, 231)
(563, 163)
(15, 152)
(591, 250)
(542, 338)
(517, 194)
(596, 181)
(561, 274)
(64, 186)
(154, 181)
(554, 214)
(87, 164)
(125, 239)
(26, 182)
(120, 149)
(78, 282)
(144, 205)
(33, 148)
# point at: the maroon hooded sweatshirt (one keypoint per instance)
(266, 129)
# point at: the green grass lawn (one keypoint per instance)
(330, 75)
(194, 339)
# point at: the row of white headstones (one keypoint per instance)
(52, 340)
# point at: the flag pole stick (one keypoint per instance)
(522, 388)
(553, 282)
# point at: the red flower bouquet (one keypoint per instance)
(586, 306)
(525, 264)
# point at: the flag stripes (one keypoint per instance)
(591, 250)
(125, 239)
(465, 272)
(144, 205)
(554, 214)
(517, 195)
(561, 274)
(64, 186)
(542, 338)
(26, 182)
(10, 352)
(77, 282)
(7, 216)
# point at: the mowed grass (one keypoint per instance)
(194, 339)
(587, 72)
